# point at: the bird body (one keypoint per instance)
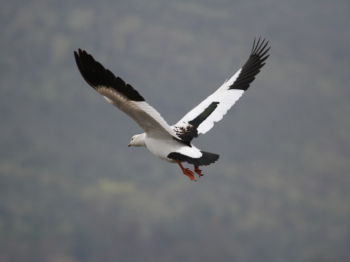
(163, 147)
(173, 143)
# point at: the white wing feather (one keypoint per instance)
(227, 95)
(143, 114)
(123, 96)
(227, 99)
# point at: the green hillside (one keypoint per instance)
(71, 190)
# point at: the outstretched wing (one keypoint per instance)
(123, 96)
(201, 119)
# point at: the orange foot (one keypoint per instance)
(198, 171)
(187, 172)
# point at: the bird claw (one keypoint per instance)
(189, 173)
(198, 171)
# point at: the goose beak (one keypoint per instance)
(129, 145)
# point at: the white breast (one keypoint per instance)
(162, 148)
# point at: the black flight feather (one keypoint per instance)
(252, 67)
(97, 76)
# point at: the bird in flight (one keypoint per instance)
(173, 143)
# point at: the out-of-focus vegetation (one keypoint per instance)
(70, 189)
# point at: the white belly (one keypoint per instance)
(162, 148)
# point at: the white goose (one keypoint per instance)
(173, 143)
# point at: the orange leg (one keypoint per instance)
(187, 172)
(198, 171)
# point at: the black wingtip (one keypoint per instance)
(96, 76)
(252, 67)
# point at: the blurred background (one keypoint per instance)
(71, 190)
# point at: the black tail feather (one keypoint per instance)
(205, 160)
